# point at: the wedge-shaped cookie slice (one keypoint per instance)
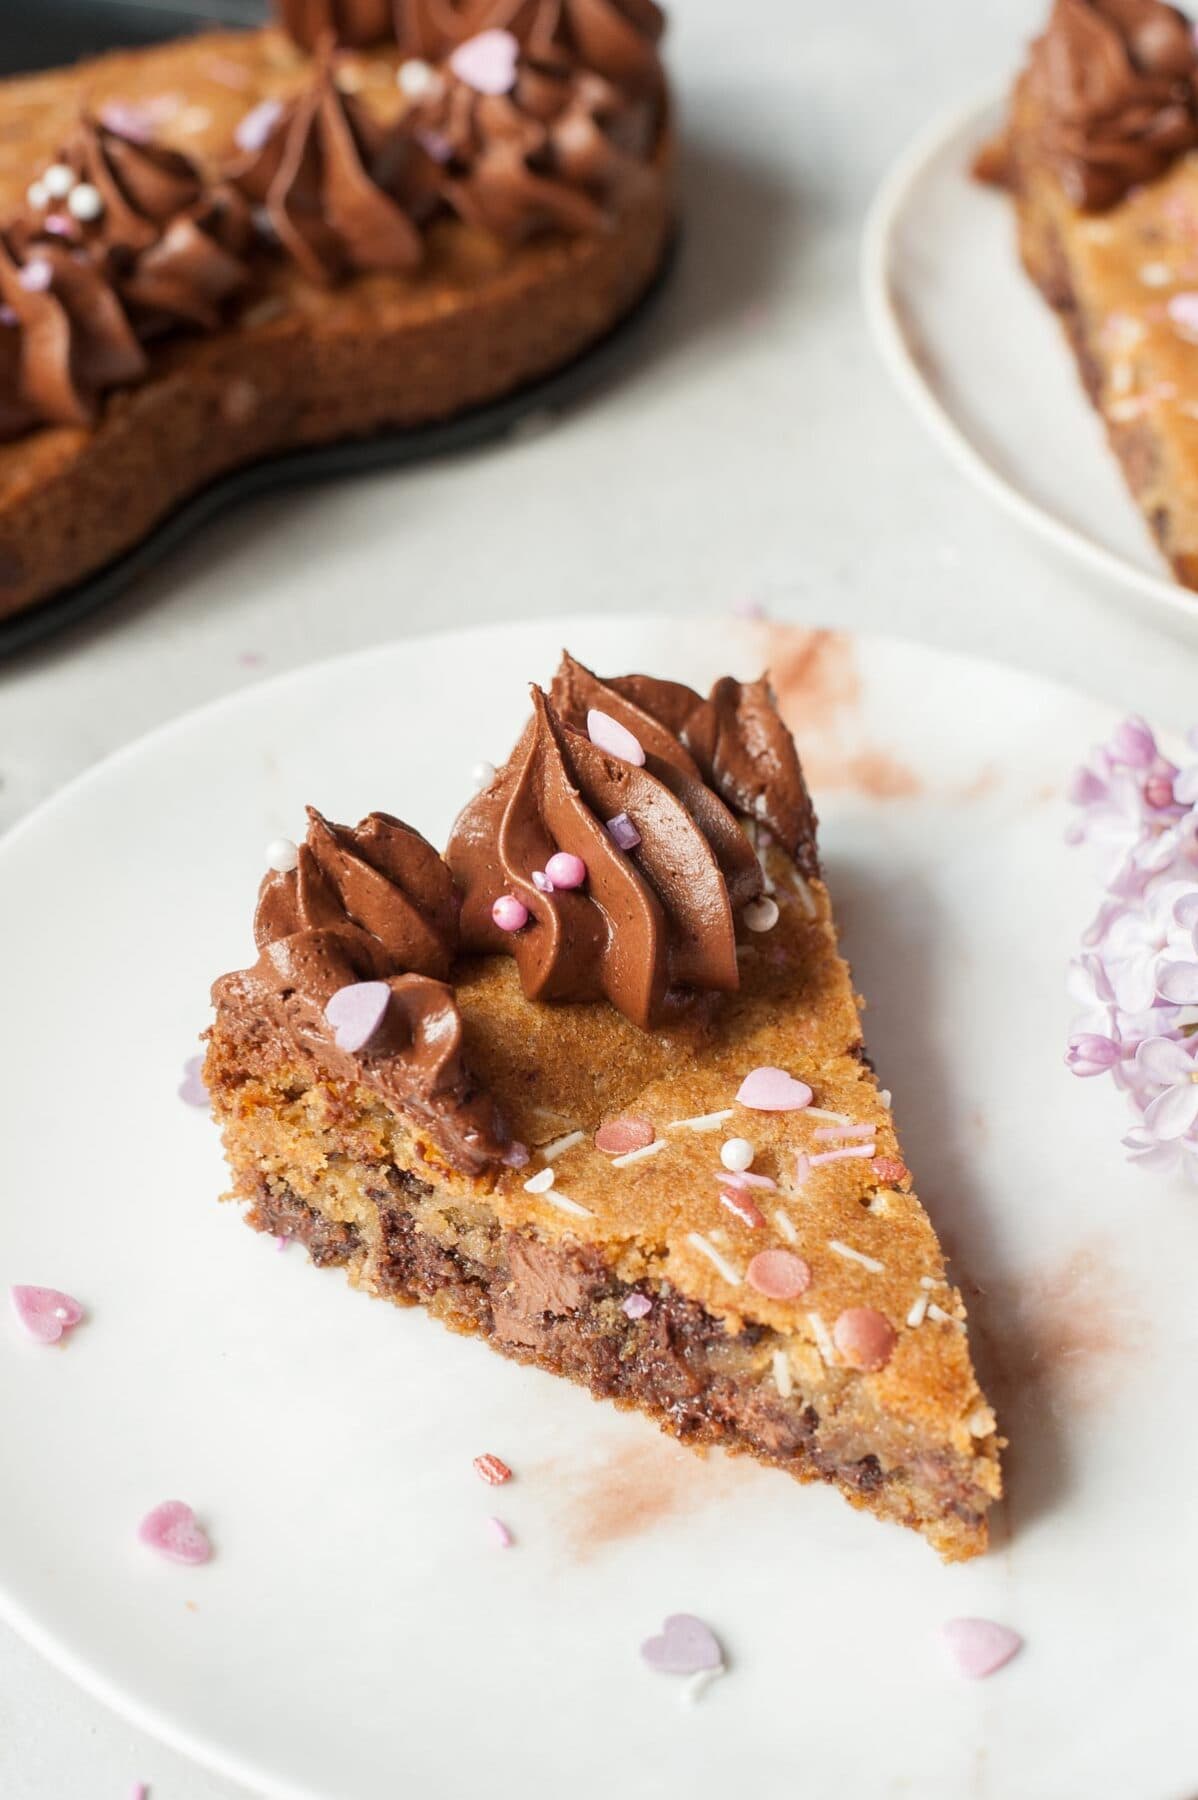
(594, 1089)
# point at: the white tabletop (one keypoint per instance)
(754, 451)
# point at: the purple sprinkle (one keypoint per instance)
(541, 882)
(623, 832)
(36, 276)
(192, 1088)
(747, 608)
(637, 1306)
(435, 144)
(128, 121)
(282, 1243)
(58, 226)
(516, 1154)
(500, 1533)
(255, 128)
(356, 1012)
(8, 316)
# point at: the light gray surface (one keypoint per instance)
(757, 450)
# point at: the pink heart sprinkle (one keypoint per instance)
(355, 1012)
(979, 1646)
(45, 1312)
(174, 1531)
(192, 1088)
(778, 1274)
(487, 63)
(773, 1090)
(566, 871)
(608, 734)
(618, 1136)
(864, 1337)
(686, 1647)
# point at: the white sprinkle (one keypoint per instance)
(817, 1112)
(857, 1256)
(37, 195)
(564, 1204)
(980, 1422)
(282, 855)
(787, 1230)
(482, 775)
(560, 1145)
(736, 1154)
(802, 1168)
(193, 119)
(85, 202)
(699, 1683)
(1123, 378)
(540, 1183)
(916, 1315)
(1156, 274)
(702, 1122)
(928, 1281)
(631, 1156)
(822, 1336)
(782, 1381)
(883, 1096)
(805, 895)
(941, 1317)
(416, 79)
(698, 1242)
(850, 1150)
(761, 915)
(58, 181)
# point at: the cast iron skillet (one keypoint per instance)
(65, 29)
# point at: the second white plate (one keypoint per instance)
(984, 363)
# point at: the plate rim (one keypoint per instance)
(124, 1702)
(876, 263)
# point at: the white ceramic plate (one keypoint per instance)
(985, 365)
(357, 1635)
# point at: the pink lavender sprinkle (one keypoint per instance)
(46, 1313)
(516, 1155)
(251, 659)
(768, 1089)
(35, 276)
(623, 832)
(802, 1167)
(127, 120)
(356, 1012)
(255, 127)
(500, 1533)
(541, 882)
(980, 1646)
(565, 870)
(827, 1134)
(509, 913)
(608, 734)
(191, 1088)
(742, 1208)
(745, 607)
(58, 225)
(139, 1791)
(849, 1150)
(174, 1531)
(1183, 311)
(282, 1243)
(637, 1306)
(743, 1178)
(8, 316)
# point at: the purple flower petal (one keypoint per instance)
(1133, 743)
(1172, 1113)
(1178, 983)
(1090, 1054)
(1164, 1061)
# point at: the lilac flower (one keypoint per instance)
(1136, 980)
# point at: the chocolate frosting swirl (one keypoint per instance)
(734, 740)
(615, 38)
(1116, 82)
(76, 340)
(372, 903)
(547, 156)
(354, 24)
(649, 923)
(337, 187)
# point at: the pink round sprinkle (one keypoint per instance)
(637, 1306)
(487, 62)
(492, 1469)
(618, 1136)
(45, 1312)
(565, 870)
(744, 1209)
(608, 734)
(36, 275)
(980, 1646)
(623, 832)
(174, 1531)
(773, 1090)
(500, 1533)
(509, 913)
(864, 1337)
(778, 1274)
(356, 1011)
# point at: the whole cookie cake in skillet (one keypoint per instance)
(360, 220)
(1098, 152)
(592, 1086)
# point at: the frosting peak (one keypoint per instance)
(337, 187)
(1116, 80)
(734, 740)
(650, 921)
(371, 903)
